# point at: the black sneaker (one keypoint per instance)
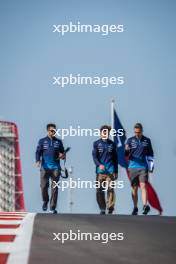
(146, 209)
(135, 211)
(110, 210)
(45, 206)
(54, 211)
(102, 212)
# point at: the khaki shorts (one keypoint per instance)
(137, 176)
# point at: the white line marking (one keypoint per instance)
(13, 213)
(6, 247)
(21, 245)
(10, 222)
(11, 217)
(9, 231)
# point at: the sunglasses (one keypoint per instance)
(51, 130)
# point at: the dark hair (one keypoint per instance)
(139, 125)
(105, 127)
(50, 125)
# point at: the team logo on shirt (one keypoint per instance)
(56, 144)
(45, 144)
(133, 143)
(110, 148)
(100, 148)
(145, 143)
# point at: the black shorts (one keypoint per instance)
(137, 176)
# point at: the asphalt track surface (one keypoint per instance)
(147, 239)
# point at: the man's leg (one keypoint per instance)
(110, 194)
(144, 192)
(100, 194)
(134, 193)
(134, 178)
(143, 179)
(55, 176)
(44, 184)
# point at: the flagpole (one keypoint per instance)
(71, 202)
(112, 115)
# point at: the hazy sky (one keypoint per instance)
(31, 54)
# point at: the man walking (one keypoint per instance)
(139, 152)
(105, 158)
(48, 154)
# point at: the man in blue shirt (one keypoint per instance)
(48, 154)
(105, 158)
(138, 150)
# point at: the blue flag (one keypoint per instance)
(120, 141)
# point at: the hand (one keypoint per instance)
(115, 175)
(102, 167)
(62, 156)
(38, 164)
(151, 171)
(127, 151)
(127, 147)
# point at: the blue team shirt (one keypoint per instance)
(139, 150)
(48, 150)
(105, 153)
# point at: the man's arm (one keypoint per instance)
(38, 153)
(150, 157)
(61, 151)
(127, 148)
(150, 150)
(95, 155)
